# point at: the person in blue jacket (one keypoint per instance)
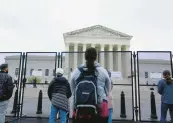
(165, 89)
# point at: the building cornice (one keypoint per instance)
(106, 29)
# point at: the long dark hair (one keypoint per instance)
(166, 75)
(90, 57)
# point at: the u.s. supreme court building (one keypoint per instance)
(107, 42)
(103, 39)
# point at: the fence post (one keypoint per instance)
(136, 108)
(15, 102)
(59, 59)
(153, 105)
(39, 106)
(123, 106)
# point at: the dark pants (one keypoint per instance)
(87, 115)
(92, 120)
(164, 110)
(102, 120)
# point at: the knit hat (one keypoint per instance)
(3, 66)
(59, 72)
(166, 72)
(168, 78)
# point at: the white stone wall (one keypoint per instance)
(12, 65)
(154, 66)
(36, 62)
(49, 63)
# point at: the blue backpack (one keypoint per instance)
(86, 90)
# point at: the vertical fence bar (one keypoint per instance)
(61, 56)
(56, 62)
(135, 80)
(18, 79)
(139, 99)
(17, 86)
(171, 56)
(132, 83)
(20, 105)
(22, 82)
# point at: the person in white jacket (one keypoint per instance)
(109, 98)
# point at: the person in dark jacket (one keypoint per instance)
(6, 90)
(59, 92)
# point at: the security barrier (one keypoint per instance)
(16, 72)
(134, 76)
(150, 65)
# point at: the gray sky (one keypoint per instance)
(38, 25)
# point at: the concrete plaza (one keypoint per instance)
(31, 100)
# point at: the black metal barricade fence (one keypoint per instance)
(134, 76)
(150, 65)
(120, 64)
(39, 68)
(15, 72)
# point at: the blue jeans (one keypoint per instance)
(110, 115)
(3, 108)
(53, 115)
(164, 109)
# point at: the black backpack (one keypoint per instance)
(86, 97)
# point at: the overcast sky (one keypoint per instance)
(38, 25)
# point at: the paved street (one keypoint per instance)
(34, 120)
(31, 98)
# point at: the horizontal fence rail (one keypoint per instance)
(134, 75)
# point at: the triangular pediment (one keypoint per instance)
(97, 31)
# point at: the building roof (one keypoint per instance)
(97, 30)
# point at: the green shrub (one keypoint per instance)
(31, 78)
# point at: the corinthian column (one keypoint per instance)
(110, 60)
(84, 49)
(119, 58)
(102, 56)
(75, 56)
(67, 70)
(93, 45)
(127, 61)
